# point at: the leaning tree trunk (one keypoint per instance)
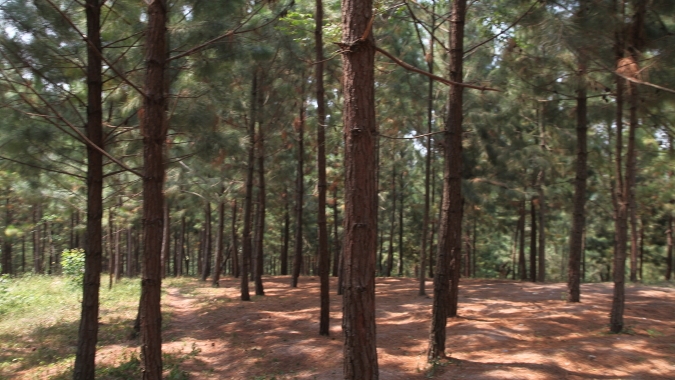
(360, 220)
(446, 280)
(324, 255)
(154, 136)
(87, 337)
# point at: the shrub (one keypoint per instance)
(72, 262)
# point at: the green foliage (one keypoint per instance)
(72, 264)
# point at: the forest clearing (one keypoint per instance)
(505, 330)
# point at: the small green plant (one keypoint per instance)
(654, 333)
(72, 262)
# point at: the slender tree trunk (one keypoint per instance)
(400, 226)
(154, 135)
(87, 337)
(206, 243)
(581, 176)
(300, 195)
(337, 257)
(118, 253)
(446, 281)
(248, 202)
(235, 245)
(521, 249)
(181, 248)
(130, 254)
(7, 243)
(392, 223)
(324, 255)
(219, 244)
(515, 249)
(533, 241)
(669, 257)
(260, 226)
(286, 236)
(360, 220)
(166, 240)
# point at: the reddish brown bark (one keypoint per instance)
(360, 219)
(154, 136)
(88, 331)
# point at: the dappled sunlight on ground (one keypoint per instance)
(505, 330)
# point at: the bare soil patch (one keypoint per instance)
(506, 330)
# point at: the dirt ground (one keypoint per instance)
(506, 330)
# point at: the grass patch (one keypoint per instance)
(39, 323)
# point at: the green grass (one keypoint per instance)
(39, 321)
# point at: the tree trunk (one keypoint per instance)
(669, 258)
(324, 255)
(400, 226)
(87, 337)
(300, 195)
(166, 240)
(336, 238)
(286, 236)
(392, 222)
(206, 243)
(533, 241)
(219, 245)
(446, 281)
(581, 176)
(360, 220)
(248, 202)
(180, 252)
(260, 225)
(521, 249)
(7, 243)
(235, 240)
(130, 254)
(153, 125)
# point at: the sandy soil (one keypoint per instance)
(506, 330)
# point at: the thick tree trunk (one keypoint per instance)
(153, 124)
(446, 281)
(299, 196)
(360, 220)
(88, 331)
(324, 255)
(218, 267)
(579, 200)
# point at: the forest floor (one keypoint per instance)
(505, 330)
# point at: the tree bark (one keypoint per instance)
(581, 176)
(286, 236)
(446, 281)
(400, 226)
(521, 249)
(248, 202)
(392, 222)
(337, 257)
(360, 220)
(324, 256)
(153, 124)
(219, 245)
(166, 240)
(533, 241)
(206, 247)
(235, 245)
(87, 337)
(260, 225)
(299, 196)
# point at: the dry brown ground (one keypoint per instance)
(506, 330)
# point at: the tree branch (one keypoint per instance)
(432, 76)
